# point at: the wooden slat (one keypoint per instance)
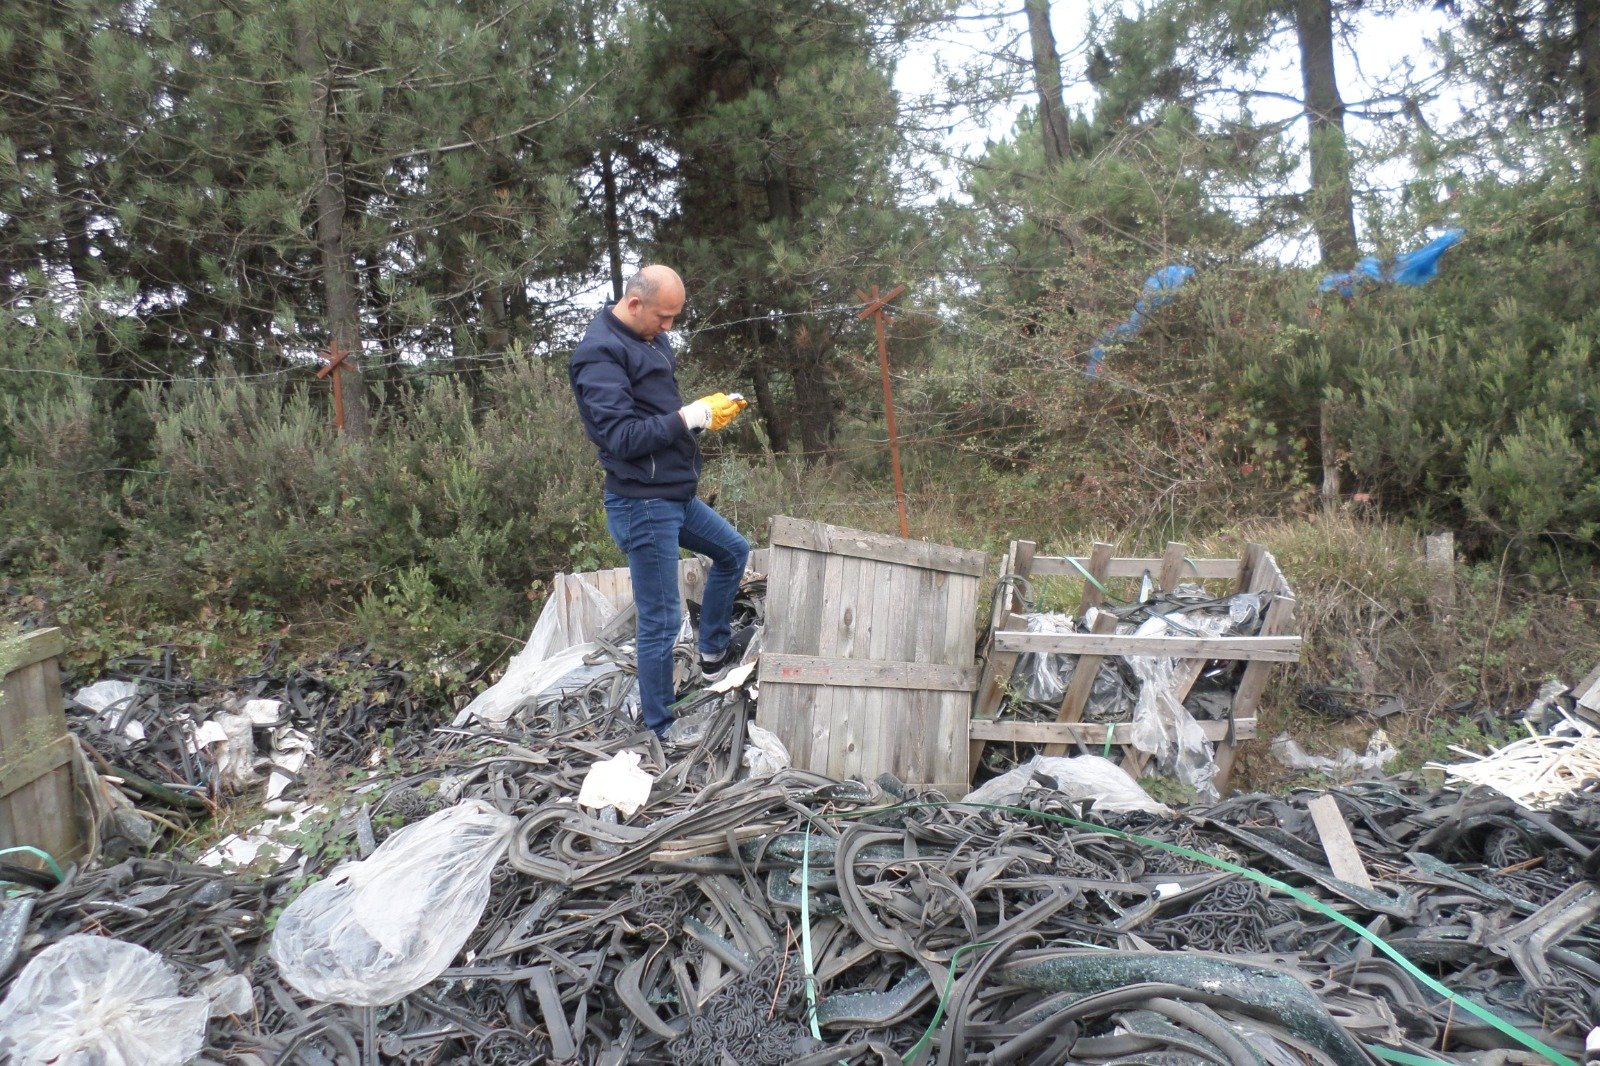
(1084, 672)
(1208, 569)
(837, 540)
(1277, 649)
(34, 764)
(998, 664)
(1587, 691)
(1099, 567)
(36, 646)
(1086, 732)
(865, 673)
(1172, 564)
(1279, 620)
(1344, 859)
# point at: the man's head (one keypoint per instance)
(650, 301)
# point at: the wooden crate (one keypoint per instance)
(1255, 571)
(616, 585)
(867, 662)
(38, 800)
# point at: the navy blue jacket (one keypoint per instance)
(627, 393)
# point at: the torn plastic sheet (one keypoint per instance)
(764, 753)
(1075, 778)
(111, 700)
(94, 1000)
(573, 615)
(262, 842)
(1162, 726)
(1345, 764)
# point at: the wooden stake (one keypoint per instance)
(875, 310)
(335, 363)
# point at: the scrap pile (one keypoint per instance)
(780, 917)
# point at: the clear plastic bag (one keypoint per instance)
(1076, 778)
(93, 1001)
(376, 930)
(1162, 726)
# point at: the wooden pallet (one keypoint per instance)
(867, 656)
(1255, 571)
(39, 802)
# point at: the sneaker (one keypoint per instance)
(714, 670)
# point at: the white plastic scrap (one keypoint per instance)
(618, 782)
(102, 695)
(236, 756)
(93, 1000)
(1076, 778)
(262, 713)
(764, 753)
(228, 994)
(375, 931)
(264, 841)
(290, 749)
(1345, 764)
(1537, 772)
(106, 698)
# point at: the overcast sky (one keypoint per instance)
(1380, 47)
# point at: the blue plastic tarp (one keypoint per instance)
(1159, 289)
(1412, 268)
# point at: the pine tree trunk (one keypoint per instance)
(766, 407)
(1332, 204)
(1047, 79)
(1587, 20)
(338, 273)
(608, 184)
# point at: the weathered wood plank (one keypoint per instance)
(1587, 691)
(837, 540)
(37, 646)
(1099, 568)
(1084, 672)
(34, 764)
(1093, 733)
(998, 664)
(1277, 649)
(1344, 859)
(1207, 569)
(1172, 564)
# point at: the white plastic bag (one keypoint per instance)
(376, 930)
(573, 615)
(93, 1001)
(618, 782)
(764, 754)
(1080, 777)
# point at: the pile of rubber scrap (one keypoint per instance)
(489, 916)
(554, 884)
(180, 748)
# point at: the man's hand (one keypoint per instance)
(696, 416)
(725, 408)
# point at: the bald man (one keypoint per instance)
(623, 375)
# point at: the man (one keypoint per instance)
(622, 374)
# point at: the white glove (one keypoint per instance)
(697, 415)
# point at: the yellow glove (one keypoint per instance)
(725, 407)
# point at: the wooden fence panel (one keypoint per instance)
(867, 658)
(38, 803)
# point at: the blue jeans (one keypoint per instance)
(651, 531)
